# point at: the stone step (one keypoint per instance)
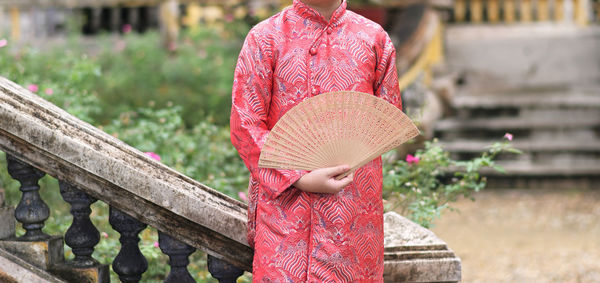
(15, 269)
(527, 99)
(517, 169)
(530, 105)
(508, 124)
(475, 146)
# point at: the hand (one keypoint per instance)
(323, 180)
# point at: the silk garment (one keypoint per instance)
(294, 55)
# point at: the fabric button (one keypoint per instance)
(314, 91)
(313, 51)
(329, 30)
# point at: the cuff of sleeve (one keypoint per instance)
(289, 177)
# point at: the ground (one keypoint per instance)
(526, 235)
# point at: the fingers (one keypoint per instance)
(337, 170)
(323, 180)
(338, 185)
(345, 181)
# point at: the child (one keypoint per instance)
(307, 226)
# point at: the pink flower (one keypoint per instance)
(156, 244)
(172, 46)
(508, 136)
(243, 196)
(104, 235)
(412, 159)
(120, 45)
(49, 91)
(33, 87)
(3, 42)
(126, 28)
(153, 155)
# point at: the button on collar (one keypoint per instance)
(314, 90)
(313, 51)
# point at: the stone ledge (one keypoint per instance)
(42, 254)
(423, 270)
(95, 274)
(15, 269)
(415, 254)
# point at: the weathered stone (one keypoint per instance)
(516, 56)
(42, 254)
(415, 254)
(94, 274)
(7, 222)
(14, 269)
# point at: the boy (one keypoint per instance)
(307, 226)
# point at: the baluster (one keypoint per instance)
(178, 253)
(31, 211)
(15, 28)
(459, 10)
(580, 9)
(542, 10)
(115, 19)
(222, 270)
(82, 236)
(476, 8)
(525, 11)
(130, 263)
(493, 11)
(559, 10)
(509, 11)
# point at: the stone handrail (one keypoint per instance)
(45, 136)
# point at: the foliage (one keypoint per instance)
(204, 152)
(198, 76)
(420, 186)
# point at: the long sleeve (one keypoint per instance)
(386, 75)
(251, 98)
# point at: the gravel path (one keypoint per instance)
(526, 236)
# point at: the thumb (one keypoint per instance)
(334, 171)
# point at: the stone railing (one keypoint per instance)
(581, 12)
(39, 138)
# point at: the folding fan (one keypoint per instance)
(335, 128)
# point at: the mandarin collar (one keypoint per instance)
(307, 12)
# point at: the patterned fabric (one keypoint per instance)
(294, 55)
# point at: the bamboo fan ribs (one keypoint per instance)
(335, 128)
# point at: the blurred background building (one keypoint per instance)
(526, 67)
